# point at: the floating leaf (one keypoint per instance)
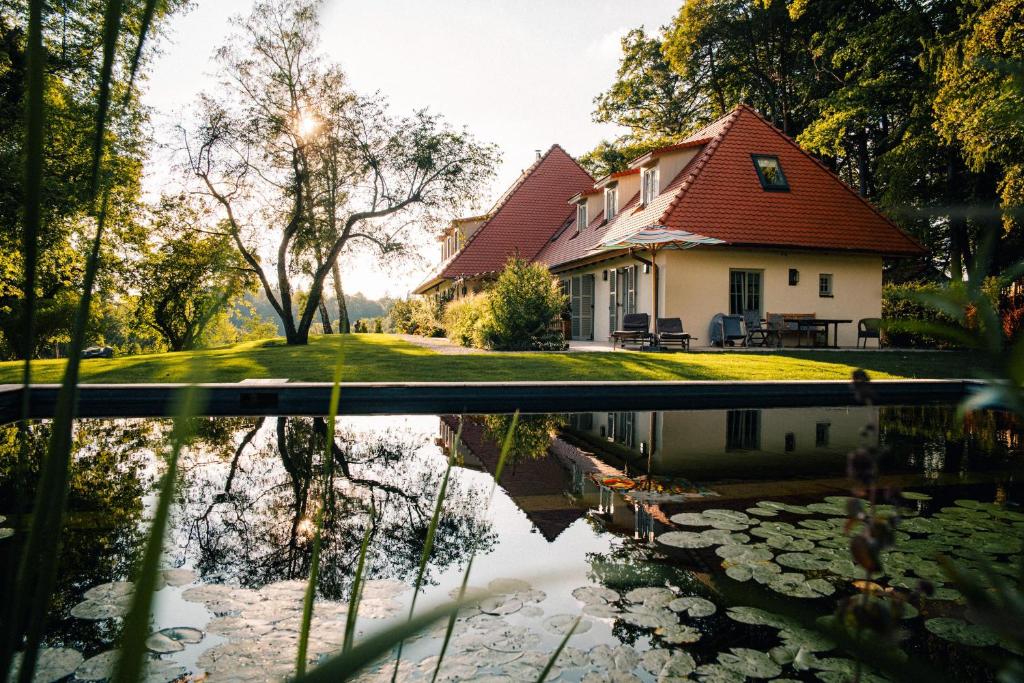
(52, 664)
(678, 633)
(170, 640)
(797, 585)
(595, 595)
(651, 597)
(802, 561)
(750, 663)
(500, 605)
(505, 586)
(914, 495)
(690, 519)
(560, 624)
(685, 539)
(178, 577)
(960, 631)
(693, 606)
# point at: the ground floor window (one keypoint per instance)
(825, 284)
(744, 291)
(743, 430)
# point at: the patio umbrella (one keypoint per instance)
(654, 238)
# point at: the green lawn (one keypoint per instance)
(383, 358)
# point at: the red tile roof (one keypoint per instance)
(718, 194)
(523, 220)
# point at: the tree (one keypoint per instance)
(71, 42)
(286, 151)
(189, 279)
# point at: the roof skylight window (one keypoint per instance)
(769, 172)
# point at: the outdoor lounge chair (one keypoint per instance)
(726, 330)
(757, 333)
(635, 329)
(869, 328)
(670, 331)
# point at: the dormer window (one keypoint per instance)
(649, 185)
(611, 202)
(581, 216)
(769, 172)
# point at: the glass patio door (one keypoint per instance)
(613, 301)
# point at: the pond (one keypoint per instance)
(682, 538)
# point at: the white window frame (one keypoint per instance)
(611, 202)
(826, 285)
(581, 216)
(649, 185)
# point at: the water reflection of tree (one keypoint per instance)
(103, 534)
(248, 519)
(531, 438)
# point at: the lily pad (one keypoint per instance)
(750, 663)
(561, 623)
(914, 495)
(665, 665)
(595, 595)
(52, 664)
(97, 610)
(678, 633)
(690, 519)
(960, 631)
(178, 577)
(685, 539)
(512, 639)
(6, 532)
(802, 561)
(693, 606)
(170, 640)
(653, 596)
(504, 586)
(797, 585)
(500, 605)
(755, 616)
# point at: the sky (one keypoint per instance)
(518, 73)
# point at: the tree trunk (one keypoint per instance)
(339, 295)
(325, 317)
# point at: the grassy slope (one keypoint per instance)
(383, 358)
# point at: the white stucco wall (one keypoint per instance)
(694, 286)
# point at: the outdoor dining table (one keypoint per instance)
(809, 324)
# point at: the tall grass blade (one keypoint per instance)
(38, 566)
(314, 569)
(428, 544)
(35, 112)
(506, 446)
(357, 585)
(344, 666)
(148, 12)
(130, 663)
(451, 619)
(558, 651)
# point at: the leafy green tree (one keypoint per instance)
(284, 148)
(71, 40)
(189, 280)
(980, 100)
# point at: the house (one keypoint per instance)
(475, 249)
(790, 236)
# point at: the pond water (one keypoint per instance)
(680, 537)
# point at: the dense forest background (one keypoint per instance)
(917, 105)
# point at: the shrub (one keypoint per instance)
(400, 316)
(523, 303)
(426, 317)
(467, 320)
(906, 304)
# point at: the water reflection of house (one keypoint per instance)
(540, 487)
(718, 445)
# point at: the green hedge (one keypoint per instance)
(467, 321)
(902, 308)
